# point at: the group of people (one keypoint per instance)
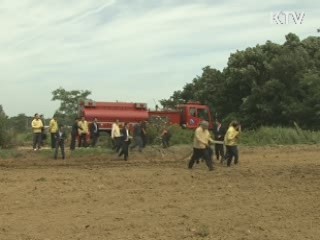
(122, 139)
(79, 131)
(57, 134)
(203, 140)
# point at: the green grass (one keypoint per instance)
(279, 136)
(10, 153)
(259, 137)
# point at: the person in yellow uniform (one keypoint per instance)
(83, 132)
(37, 127)
(201, 149)
(231, 141)
(116, 135)
(53, 128)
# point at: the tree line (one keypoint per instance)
(266, 85)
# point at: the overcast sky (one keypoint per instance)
(128, 50)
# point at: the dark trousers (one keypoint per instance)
(201, 153)
(232, 152)
(165, 142)
(219, 150)
(94, 139)
(82, 140)
(117, 143)
(37, 140)
(144, 140)
(125, 150)
(59, 144)
(53, 140)
(73, 141)
(137, 142)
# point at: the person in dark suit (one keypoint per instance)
(74, 133)
(126, 140)
(60, 141)
(219, 133)
(137, 137)
(94, 132)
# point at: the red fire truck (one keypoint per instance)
(186, 115)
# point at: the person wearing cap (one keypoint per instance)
(201, 142)
(231, 141)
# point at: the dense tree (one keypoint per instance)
(268, 84)
(20, 123)
(69, 106)
(3, 128)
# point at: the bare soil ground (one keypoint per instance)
(274, 193)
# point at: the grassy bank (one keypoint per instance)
(279, 136)
(260, 137)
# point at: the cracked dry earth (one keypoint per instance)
(274, 193)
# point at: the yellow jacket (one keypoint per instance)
(83, 127)
(232, 136)
(115, 131)
(202, 138)
(36, 125)
(53, 126)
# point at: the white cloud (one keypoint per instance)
(136, 50)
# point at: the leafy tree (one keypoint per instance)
(69, 106)
(269, 84)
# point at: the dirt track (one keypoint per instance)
(273, 194)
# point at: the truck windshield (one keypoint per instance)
(203, 114)
(193, 112)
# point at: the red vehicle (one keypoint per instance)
(187, 115)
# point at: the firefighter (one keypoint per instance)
(201, 146)
(83, 132)
(37, 127)
(53, 128)
(231, 141)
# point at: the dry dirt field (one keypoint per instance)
(273, 194)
